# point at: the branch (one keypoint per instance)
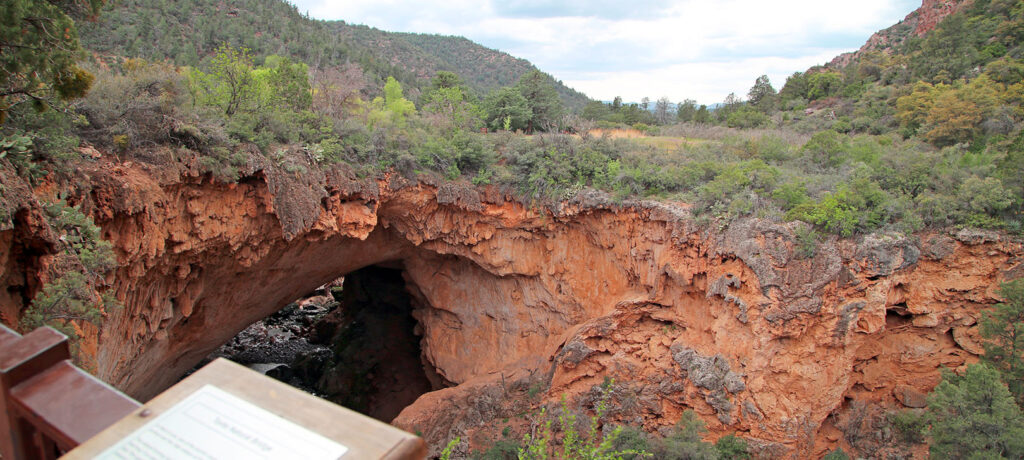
(21, 91)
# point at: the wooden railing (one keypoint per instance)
(49, 405)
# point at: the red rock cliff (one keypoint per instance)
(918, 23)
(788, 352)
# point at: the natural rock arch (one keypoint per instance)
(731, 323)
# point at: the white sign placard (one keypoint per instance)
(213, 424)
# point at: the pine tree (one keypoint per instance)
(1003, 329)
(38, 48)
(975, 416)
(542, 99)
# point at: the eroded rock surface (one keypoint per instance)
(730, 323)
(918, 23)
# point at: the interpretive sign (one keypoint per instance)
(225, 410)
(214, 424)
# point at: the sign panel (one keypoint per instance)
(214, 424)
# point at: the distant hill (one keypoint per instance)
(188, 31)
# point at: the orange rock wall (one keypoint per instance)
(731, 323)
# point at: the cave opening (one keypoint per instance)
(355, 342)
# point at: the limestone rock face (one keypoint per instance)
(732, 323)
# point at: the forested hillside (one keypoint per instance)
(189, 31)
(483, 68)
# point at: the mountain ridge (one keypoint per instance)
(159, 30)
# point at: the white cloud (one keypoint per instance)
(700, 49)
(706, 82)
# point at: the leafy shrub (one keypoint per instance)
(730, 447)
(827, 149)
(984, 196)
(858, 204)
(746, 119)
(790, 195)
(79, 273)
(591, 445)
(502, 450)
(806, 241)
(223, 164)
(446, 453)
(837, 454)
(53, 140)
(910, 425)
(685, 441)
(455, 153)
(632, 439)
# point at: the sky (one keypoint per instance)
(680, 49)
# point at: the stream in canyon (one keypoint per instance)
(354, 342)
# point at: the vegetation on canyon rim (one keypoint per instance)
(870, 146)
(920, 136)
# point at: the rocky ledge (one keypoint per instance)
(793, 353)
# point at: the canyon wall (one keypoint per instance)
(792, 352)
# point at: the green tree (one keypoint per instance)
(445, 79)
(506, 104)
(542, 100)
(38, 49)
(1006, 71)
(702, 115)
(284, 84)
(1010, 169)
(632, 439)
(952, 119)
(686, 110)
(823, 84)
(1003, 331)
(912, 110)
(762, 94)
(393, 108)
(859, 204)
(795, 87)
(975, 416)
(452, 105)
(947, 50)
(596, 111)
(230, 84)
(980, 198)
(450, 99)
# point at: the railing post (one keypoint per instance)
(20, 359)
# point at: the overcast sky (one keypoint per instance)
(698, 49)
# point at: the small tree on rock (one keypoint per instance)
(1003, 330)
(975, 416)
